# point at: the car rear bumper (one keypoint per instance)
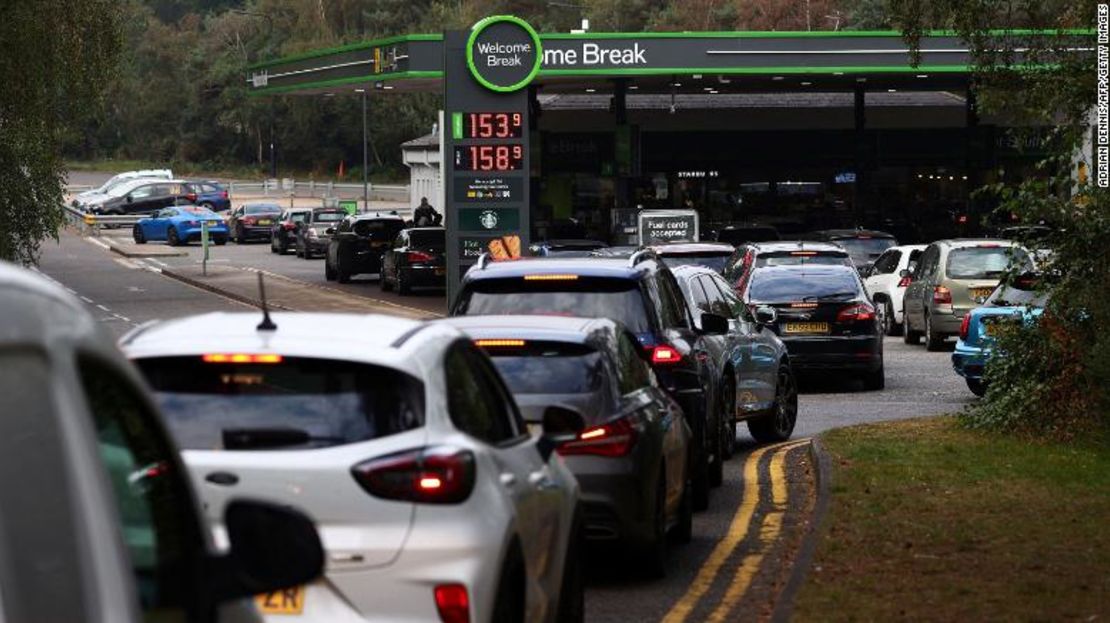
(316, 246)
(614, 498)
(262, 232)
(946, 323)
(968, 361)
(194, 234)
(863, 353)
(428, 276)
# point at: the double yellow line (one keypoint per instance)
(737, 531)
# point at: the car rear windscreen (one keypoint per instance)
(863, 249)
(428, 239)
(618, 299)
(784, 286)
(549, 368)
(329, 217)
(712, 260)
(262, 209)
(378, 229)
(987, 262)
(295, 403)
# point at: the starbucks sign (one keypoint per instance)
(503, 53)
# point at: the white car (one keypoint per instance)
(398, 438)
(887, 285)
(101, 191)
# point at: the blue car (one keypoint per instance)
(209, 195)
(1018, 302)
(180, 225)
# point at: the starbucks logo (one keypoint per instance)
(488, 219)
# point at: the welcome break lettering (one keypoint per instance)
(495, 54)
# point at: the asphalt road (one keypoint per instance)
(122, 294)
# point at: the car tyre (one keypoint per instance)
(700, 475)
(342, 275)
(402, 287)
(654, 555)
(240, 236)
(172, 238)
(933, 342)
(273, 247)
(329, 272)
(875, 380)
(137, 234)
(220, 241)
(572, 602)
(683, 531)
(778, 425)
(509, 603)
(909, 336)
(717, 466)
(383, 282)
(977, 386)
(889, 326)
(728, 421)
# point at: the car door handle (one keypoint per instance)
(224, 479)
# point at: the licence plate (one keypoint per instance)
(441, 272)
(977, 293)
(806, 327)
(265, 221)
(285, 601)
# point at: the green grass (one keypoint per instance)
(930, 521)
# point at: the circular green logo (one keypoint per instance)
(503, 53)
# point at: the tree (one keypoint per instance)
(55, 56)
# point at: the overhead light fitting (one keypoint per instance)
(806, 84)
(776, 78)
(892, 90)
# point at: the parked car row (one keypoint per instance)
(148, 195)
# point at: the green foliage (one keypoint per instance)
(1050, 377)
(54, 56)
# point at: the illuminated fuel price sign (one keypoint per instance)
(489, 157)
(492, 125)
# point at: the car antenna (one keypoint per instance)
(267, 324)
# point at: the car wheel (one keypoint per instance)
(887, 319)
(383, 282)
(977, 386)
(402, 287)
(728, 421)
(933, 342)
(700, 473)
(874, 381)
(654, 555)
(172, 238)
(778, 425)
(684, 527)
(717, 443)
(572, 602)
(909, 336)
(342, 276)
(273, 246)
(208, 205)
(240, 237)
(137, 234)
(329, 272)
(220, 241)
(509, 602)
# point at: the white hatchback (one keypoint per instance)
(887, 286)
(398, 438)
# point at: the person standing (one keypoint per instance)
(425, 215)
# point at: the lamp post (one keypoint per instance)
(365, 154)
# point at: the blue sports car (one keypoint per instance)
(1017, 302)
(180, 225)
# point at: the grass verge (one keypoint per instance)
(931, 521)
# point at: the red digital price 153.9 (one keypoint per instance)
(493, 125)
(489, 157)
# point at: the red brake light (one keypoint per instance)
(964, 326)
(453, 603)
(434, 475)
(223, 195)
(942, 295)
(419, 256)
(904, 282)
(665, 355)
(856, 312)
(288, 226)
(191, 196)
(611, 439)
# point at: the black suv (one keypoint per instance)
(639, 292)
(356, 245)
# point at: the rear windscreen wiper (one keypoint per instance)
(247, 438)
(825, 297)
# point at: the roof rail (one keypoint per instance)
(483, 259)
(640, 256)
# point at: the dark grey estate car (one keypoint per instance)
(631, 451)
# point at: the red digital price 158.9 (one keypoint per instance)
(493, 125)
(489, 157)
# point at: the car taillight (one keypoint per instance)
(288, 226)
(419, 256)
(853, 313)
(453, 603)
(964, 326)
(904, 282)
(942, 295)
(432, 475)
(191, 196)
(223, 195)
(665, 355)
(611, 439)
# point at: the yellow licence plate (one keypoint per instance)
(285, 601)
(806, 327)
(981, 292)
(265, 221)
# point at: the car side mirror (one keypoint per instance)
(714, 324)
(255, 564)
(560, 425)
(330, 231)
(766, 315)
(905, 273)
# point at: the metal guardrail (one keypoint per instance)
(93, 223)
(312, 188)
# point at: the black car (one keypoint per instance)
(788, 253)
(355, 246)
(639, 292)
(758, 382)
(283, 233)
(630, 452)
(824, 316)
(863, 245)
(147, 197)
(253, 221)
(312, 233)
(712, 255)
(416, 258)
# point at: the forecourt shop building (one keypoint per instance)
(560, 135)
